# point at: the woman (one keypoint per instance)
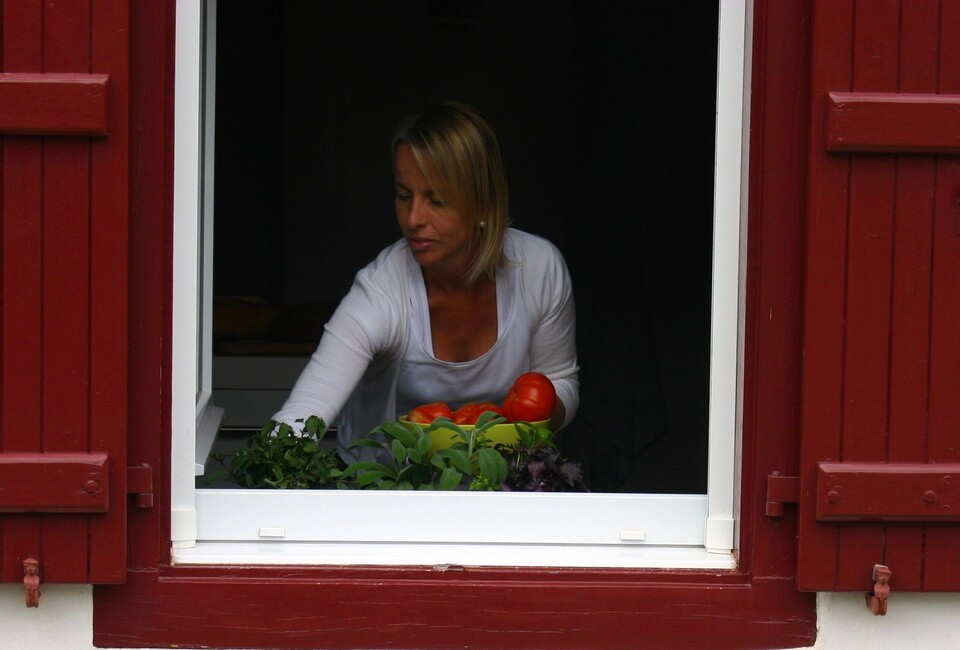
(454, 311)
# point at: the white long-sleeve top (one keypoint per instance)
(375, 359)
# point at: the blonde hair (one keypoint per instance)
(456, 149)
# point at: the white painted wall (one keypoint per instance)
(921, 621)
(64, 621)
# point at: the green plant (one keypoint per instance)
(278, 456)
(407, 462)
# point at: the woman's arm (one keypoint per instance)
(553, 349)
(364, 324)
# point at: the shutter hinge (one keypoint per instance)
(780, 490)
(140, 483)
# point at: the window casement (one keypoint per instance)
(235, 526)
(165, 602)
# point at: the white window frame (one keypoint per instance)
(237, 526)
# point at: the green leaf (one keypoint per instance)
(366, 442)
(399, 451)
(450, 478)
(394, 429)
(492, 465)
(315, 425)
(441, 426)
(369, 477)
(404, 436)
(424, 442)
(444, 422)
(487, 419)
(365, 465)
(459, 459)
(267, 427)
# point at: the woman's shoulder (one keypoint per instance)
(389, 262)
(531, 251)
(380, 285)
(376, 300)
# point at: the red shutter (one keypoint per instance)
(881, 372)
(63, 356)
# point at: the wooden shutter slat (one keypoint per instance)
(866, 333)
(944, 408)
(918, 62)
(944, 539)
(110, 236)
(888, 491)
(910, 328)
(822, 405)
(67, 46)
(893, 122)
(53, 104)
(54, 482)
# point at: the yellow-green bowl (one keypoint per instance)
(503, 433)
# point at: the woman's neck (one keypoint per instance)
(451, 283)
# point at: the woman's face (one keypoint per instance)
(436, 232)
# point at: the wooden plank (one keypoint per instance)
(909, 349)
(67, 40)
(875, 41)
(867, 336)
(851, 491)
(893, 123)
(774, 326)
(949, 75)
(53, 104)
(910, 331)
(54, 482)
(109, 290)
(944, 405)
(151, 192)
(594, 609)
(22, 283)
(942, 565)
(826, 255)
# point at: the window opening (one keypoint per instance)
(587, 164)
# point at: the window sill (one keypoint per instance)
(451, 556)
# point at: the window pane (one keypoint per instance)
(589, 164)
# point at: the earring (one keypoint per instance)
(483, 224)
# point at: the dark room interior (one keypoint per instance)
(606, 115)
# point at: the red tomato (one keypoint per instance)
(469, 412)
(530, 399)
(427, 413)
